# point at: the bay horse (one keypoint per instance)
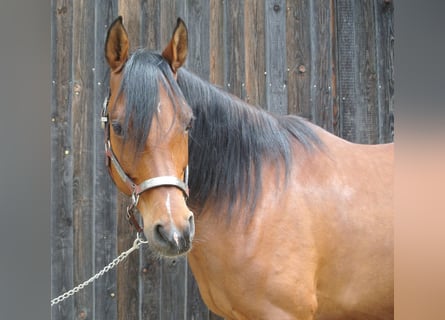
(283, 220)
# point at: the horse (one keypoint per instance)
(279, 218)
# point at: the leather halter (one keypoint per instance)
(136, 189)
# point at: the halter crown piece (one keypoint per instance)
(136, 189)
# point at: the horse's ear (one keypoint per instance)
(117, 45)
(176, 51)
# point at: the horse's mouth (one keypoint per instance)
(171, 242)
(171, 251)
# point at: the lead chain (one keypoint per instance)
(136, 244)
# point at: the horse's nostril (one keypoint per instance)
(162, 233)
(191, 226)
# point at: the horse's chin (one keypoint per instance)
(172, 255)
(169, 254)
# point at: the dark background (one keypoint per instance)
(25, 159)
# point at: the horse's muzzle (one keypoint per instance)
(172, 240)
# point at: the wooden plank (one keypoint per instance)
(298, 45)
(346, 69)
(254, 52)
(357, 66)
(151, 275)
(168, 21)
(383, 15)
(322, 62)
(150, 22)
(367, 120)
(105, 224)
(276, 66)
(173, 282)
(198, 13)
(234, 78)
(82, 114)
(217, 45)
(130, 11)
(181, 9)
(334, 74)
(61, 160)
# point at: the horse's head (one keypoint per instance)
(147, 127)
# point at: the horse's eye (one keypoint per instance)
(117, 128)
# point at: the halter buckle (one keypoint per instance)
(104, 114)
(134, 198)
(130, 212)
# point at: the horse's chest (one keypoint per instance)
(243, 288)
(221, 281)
(248, 272)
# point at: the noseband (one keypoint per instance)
(136, 189)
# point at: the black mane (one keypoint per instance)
(229, 143)
(230, 140)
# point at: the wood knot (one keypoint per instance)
(301, 68)
(62, 10)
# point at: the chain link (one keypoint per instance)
(136, 244)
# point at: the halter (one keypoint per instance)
(136, 189)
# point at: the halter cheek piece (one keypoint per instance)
(136, 189)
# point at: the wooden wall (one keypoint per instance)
(328, 60)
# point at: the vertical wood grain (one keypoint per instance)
(61, 160)
(105, 222)
(358, 71)
(82, 115)
(198, 59)
(322, 64)
(254, 53)
(276, 66)
(150, 21)
(384, 31)
(234, 79)
(168, 20)
(298, 57)
(217, 42)
(173, 294)
(367, 120)
(346, 70)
